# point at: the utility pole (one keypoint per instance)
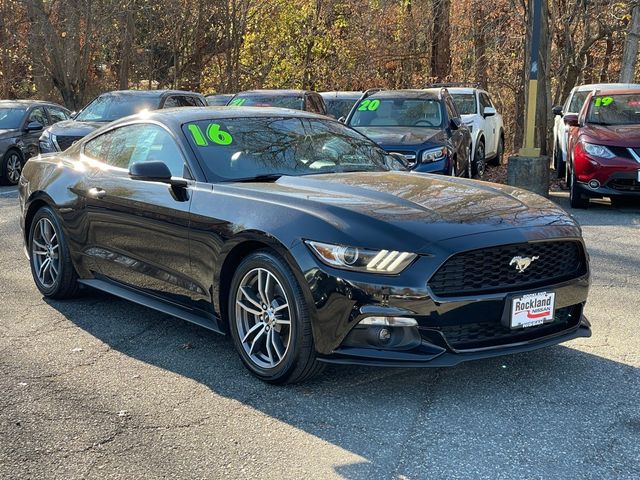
(528, 149)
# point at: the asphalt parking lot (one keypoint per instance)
(101, 388)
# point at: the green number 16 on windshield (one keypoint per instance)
(213, 133)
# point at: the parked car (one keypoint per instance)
(112, 106)
(339, 104)
(422, 125)
(484, 122)
(21, 123)
(572, 105)
(604, 147)
(218, 100)
(307, 247)
(306, 100)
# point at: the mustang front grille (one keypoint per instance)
(509, 268)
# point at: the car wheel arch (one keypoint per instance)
(237, 249)
(36, 202)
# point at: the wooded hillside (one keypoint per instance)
(71, 50)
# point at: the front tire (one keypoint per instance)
(11, 167)
(51, 266)
(576, 197)
(479, 162)
(558, 163)
(270, 322)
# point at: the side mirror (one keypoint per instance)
(34, 127)
(154, 171)
(557, 110)
(489, 111)
(342, 119)
(455, 123)
(571, 119)
(398, 162)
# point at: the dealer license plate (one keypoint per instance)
(532, 309)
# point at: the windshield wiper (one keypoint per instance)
(267, 177)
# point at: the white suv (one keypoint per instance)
(485, 123)
(573, 104)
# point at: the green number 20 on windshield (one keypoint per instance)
(370, 105)
(213, 133)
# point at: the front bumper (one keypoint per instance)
(449, 330)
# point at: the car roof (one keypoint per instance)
(467, 90)
(600, 86)
(282, 93)
(27, 103)
(176, 117)
(347, 95)
(615, 91)
(148, 93)
(408, 93)
(208, 95)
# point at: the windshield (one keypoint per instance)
(615, 110)
(280, 101)
(339, 107)
(107, 108)
(246, 148)
(397, 112)
(577, 101)
(218, 100)
(11, 117)
(465, 103)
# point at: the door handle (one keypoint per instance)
(98, 193)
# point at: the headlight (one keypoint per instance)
(388, 262)
(434, 154)
(598, 150)
(47, 141)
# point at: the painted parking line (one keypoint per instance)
(8, 192)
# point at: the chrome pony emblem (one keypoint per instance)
(522, 263)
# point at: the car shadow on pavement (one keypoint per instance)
(601, 212)
(552, 413)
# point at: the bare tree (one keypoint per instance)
(630, 52)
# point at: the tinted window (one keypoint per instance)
(11, 117)
(171, 102)
(465, 103)
(397, 112)
(107, 108)
(180, 101)
(57, 114)
(127, 145)
(339, 107)
(614, 109)
(577, 101)
(38, 115)
(280, 101)
(241, 148)
(219, 100)
(314, 104)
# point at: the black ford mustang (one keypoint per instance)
(292, 233)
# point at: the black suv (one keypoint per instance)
(112, 106)
(21, 123)
(306, 100)
(422, 125)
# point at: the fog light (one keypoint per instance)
(384, 335)
(390, 321)
(594, 184)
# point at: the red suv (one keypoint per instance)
(604, 147)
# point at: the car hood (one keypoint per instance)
(8, 133)
(410, 208)
(409, 136)
(613, 135)
(73, 128)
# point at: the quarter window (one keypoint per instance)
(131, 144)
(57, 114)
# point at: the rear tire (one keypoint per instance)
(270, 322)
(51, 265)
(576, 197)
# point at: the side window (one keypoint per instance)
(484, 101)
(187, 101)
(57, 114)
(313, 104)
(171, 102)
(131, 144)
(452, 112)
(38, 115)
